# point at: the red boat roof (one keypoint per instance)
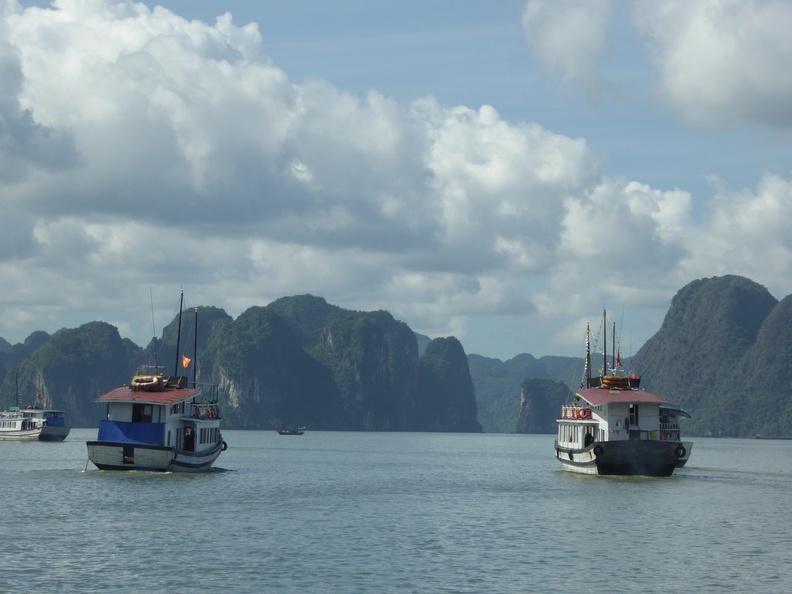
(597, 396)
(168, 396)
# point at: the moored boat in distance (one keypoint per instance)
(14, 426)
(614, 427)
(173, 427)
(291, 430)
(33, 423)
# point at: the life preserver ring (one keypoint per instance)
(681, 451)
(584, 413)
(598, 450)
(223, 446)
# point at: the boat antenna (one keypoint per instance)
(178, 337)
(16, 381)
(195, 348)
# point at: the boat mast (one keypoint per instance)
(604, 342)
(178, 337)
(153, 331)
(195, 348)
(588, 356)
(613, 349)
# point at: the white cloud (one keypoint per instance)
(568, 36)
(722, 61)
(747, 233)
(149, 150)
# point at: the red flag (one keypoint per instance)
(186, 361)
(618, 359)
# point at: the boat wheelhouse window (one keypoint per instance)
(634, 414)
(142, 413)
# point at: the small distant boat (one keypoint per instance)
(174, 427)
(615, 428)
(291, 430)
(33, 423)
(14, 426)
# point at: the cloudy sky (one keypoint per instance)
(497, 171)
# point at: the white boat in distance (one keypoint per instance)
(33, 424)
(169, 427)
(14, 426)
(615, 428)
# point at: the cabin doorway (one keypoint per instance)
(189, 439)
(635, 431)
(142, 413)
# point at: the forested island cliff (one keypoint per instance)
(723, 353)
(297, 361)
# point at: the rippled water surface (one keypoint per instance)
(394, 512)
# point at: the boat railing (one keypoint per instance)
(205, 410)
(636, 434)
(576, 412)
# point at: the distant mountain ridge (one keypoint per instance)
(723, 352)
(298, 360)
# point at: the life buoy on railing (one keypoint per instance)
(584, 413)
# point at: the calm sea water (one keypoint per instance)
(394, 512)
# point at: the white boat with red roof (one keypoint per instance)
(614, 427)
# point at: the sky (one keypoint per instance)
(496, 171)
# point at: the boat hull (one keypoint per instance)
(622, 458)
(21, 435)
(130, 456)
(688, 445)
(53, 433)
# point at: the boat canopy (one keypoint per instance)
(598, 396)
(127, 394)
(675, 411)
